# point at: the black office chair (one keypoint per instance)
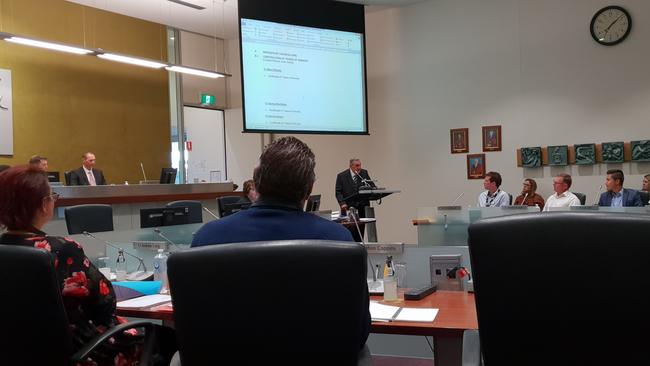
(91, 218)
(582, 197)
(645, 197)
(226, 200)
(35, 328)
(510, 202)
(195, 210)
(68, 177)
(562, 288)
(280, 300)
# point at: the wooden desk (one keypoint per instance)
(457, 313)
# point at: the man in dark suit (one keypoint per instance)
(348, 183)
(87, 175)
(616, 195)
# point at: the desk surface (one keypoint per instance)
(457, 313)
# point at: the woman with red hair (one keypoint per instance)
(26, 205)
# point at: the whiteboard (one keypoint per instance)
(6, 114)
(205, 131)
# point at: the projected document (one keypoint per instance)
(302, 78)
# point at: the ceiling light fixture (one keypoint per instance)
(197, 72)
(188, 4)
(48, 45)
(131, 60)
(111, 56)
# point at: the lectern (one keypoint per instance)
(370, 194)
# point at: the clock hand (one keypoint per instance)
(614, 22)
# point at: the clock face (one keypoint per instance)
(611, 25)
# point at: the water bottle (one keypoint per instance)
(120, 266)
(160, 271)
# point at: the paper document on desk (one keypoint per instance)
(382, 312)
(417, 315)
(144, 301)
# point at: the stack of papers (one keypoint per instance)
(144, 301)
(381, 312)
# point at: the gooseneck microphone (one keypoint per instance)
(600, 189)
(141, 264)
(523, 203)
(160, 234)
(210, 212)
(457, 198)
(143, 173)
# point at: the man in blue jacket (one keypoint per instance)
(616, 195)
(284, 179)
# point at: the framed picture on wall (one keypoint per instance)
(475, 166)
(459, 140)
(491, 138)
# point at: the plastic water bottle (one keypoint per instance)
(120, 266)
(160, 271)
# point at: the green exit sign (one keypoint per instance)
(207, 99)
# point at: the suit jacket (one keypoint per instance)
(631, 198)
(78, 177)
(345, 188)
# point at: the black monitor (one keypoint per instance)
(53, 177)
(313, 203)
(231, 208)
(168, 176)
(164, 216)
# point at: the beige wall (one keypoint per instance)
(64, 105)
(528, 65)
(205, 53)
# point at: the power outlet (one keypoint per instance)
(440, 265)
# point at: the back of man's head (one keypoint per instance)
(286, 171)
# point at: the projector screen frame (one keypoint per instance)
(324, 14)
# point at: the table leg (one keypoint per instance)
(447, 351)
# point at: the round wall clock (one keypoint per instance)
(611, 25)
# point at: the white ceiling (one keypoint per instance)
(219, 18)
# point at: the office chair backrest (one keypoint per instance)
(582, 197)
(34, 323)
(645, 197)
(510, 201)
(222, 203)
(68, 177)
(283, 297)
(562, 288)
(91, 218)
(195, 210)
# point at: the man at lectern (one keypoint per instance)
(348, 184)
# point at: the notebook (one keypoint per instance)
(381, 312)
(144, 301)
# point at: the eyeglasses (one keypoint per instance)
(53, 196)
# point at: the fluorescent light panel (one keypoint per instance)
(197, 72)
(48, 45)
(188, 4)
(131, 60)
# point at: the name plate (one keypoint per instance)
(384, 248)
(449, 208)
(517, 207)
(583, 208)
(150, 245)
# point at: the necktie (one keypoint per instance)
(91, 178)
(356, 180)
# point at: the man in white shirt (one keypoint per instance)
(562, 197)
(493, 196)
